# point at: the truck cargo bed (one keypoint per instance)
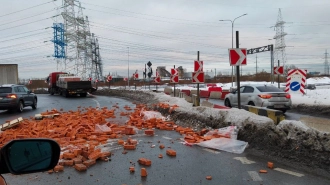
(72, 85)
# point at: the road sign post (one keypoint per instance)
(174, 85)
(237, 57)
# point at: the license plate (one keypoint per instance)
(278, 106)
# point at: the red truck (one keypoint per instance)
(66, 85)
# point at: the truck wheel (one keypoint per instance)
(35, 103)
(83, 94)
(20, 106)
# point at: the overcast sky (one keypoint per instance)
(167, 33)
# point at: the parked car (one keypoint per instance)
(311, 86)
(16, 97)
(262, 96)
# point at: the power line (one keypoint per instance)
(26, 8)
(29, 23)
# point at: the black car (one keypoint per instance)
(16, 97)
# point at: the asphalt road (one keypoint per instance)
(191, 165)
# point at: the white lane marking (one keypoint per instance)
(289, 172)
(244, 160)
(254, 176)
(97, 104)
(167, 138)
(211, 151)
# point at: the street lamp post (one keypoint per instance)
(128, 67)
(232, 43)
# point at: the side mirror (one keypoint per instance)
(29, 92)
(30, 155)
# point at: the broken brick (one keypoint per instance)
(149, 132)
(129, 147)
(209, 177)
(171, 152)
(77, 161)
(80, 167)
(161, 146)
(143, 172)
(160, 156)
(270, 165)
(67, 155)
(89, 163)
(144, 161)
(132, 169)
(262, 171)
(58, 168)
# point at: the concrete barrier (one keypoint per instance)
(276, 115)
(193, 92)
(215, 95)
(187, 98)
(204, 94)
(207, 104)
(177, 91)
(186, 91)
(224, 93)
(168, 90)
(182, 95)
(194, 100)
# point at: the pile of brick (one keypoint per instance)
(76, 133)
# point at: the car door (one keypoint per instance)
(30, 95)
(235, 99)
(246, 95)
(24, 95)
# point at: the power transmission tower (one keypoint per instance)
(97, 67)
(280, 41)
(326, 64)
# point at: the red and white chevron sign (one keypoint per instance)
(174, 72)
(198, 77)
(278, 70)
(136, 76)
(109, 78)
(157, 79)
(237, 56)
(174, 79)
(198, 66)
(296, 81)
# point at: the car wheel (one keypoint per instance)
(83, 94)
(227, 103)
(35, 103)
(20, 106)
(284, 110)
(251, 103)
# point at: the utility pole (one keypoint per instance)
(256, 66)
(326, 64)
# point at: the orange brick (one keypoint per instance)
(50, 171)
(270, 165)
(144, 161)
(262, 171)
(209, 177)
(149, 132)
(132, 169)
(67, 155)
(120, 142)
(171, 152)
(129, 147)
(77, 152)
(129, 130)
(161, 146)
(160, 156)
(77, 161)
(94, 155)
(89, 163)
(143, 172)
(68, 162)
(58, 168)
(80, 167)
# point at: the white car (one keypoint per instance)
(262, 96)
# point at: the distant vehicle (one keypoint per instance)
(68, 85)
(9, 74)
(311, 86)
(16, 97)
(262, 96)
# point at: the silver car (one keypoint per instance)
(262, 96)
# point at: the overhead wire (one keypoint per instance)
(26, 8)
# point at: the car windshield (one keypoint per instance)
(5, 89)
(268, 89)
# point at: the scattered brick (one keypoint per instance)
(144, 161)
(160, 156)
(58, 168)
(132, 169)
(161, 146)
(129, 147)
(171, 152)
(262, 171)
(80, 167)
(89, 163)
(270, 165)
(143, 172)
(67, 155)
(149, 132)
(77, 161)
(209, 177)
